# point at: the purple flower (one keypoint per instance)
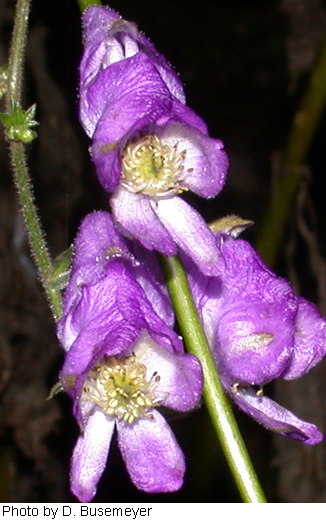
(259, 330)
(123, 361)
(147, 145)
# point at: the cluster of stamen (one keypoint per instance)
(149, 167)
(119, 386)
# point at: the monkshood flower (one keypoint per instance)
(123, 362)
(259, 330)
(147, 145)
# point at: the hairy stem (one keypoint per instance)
(17, 53)
(18, 159)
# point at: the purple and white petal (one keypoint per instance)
(139, 220)
(181, 377)
(96, 25)
(189, 231)
(152, 455)
(90, 456)
(110, 40)
(121, 39)
(205, 163)
(276, 418)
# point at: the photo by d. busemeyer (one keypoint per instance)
(123, 358)
(158, 310)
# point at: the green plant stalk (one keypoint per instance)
(17, 52)
(36, 239)
(84, 4)
(216, 401)
(305, 124)
(18, 159)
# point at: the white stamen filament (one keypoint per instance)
(119, 387)
(152, 168)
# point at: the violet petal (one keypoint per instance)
(277, 418)
(152, 456)
(309, 342)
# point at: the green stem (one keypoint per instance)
(17, 53)
(305, 124)
(217, 404)
(84, 4)
(36, 239)
(18, 159)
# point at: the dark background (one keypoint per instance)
(245, 65)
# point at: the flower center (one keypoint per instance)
(152, 168)
(120, 388)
